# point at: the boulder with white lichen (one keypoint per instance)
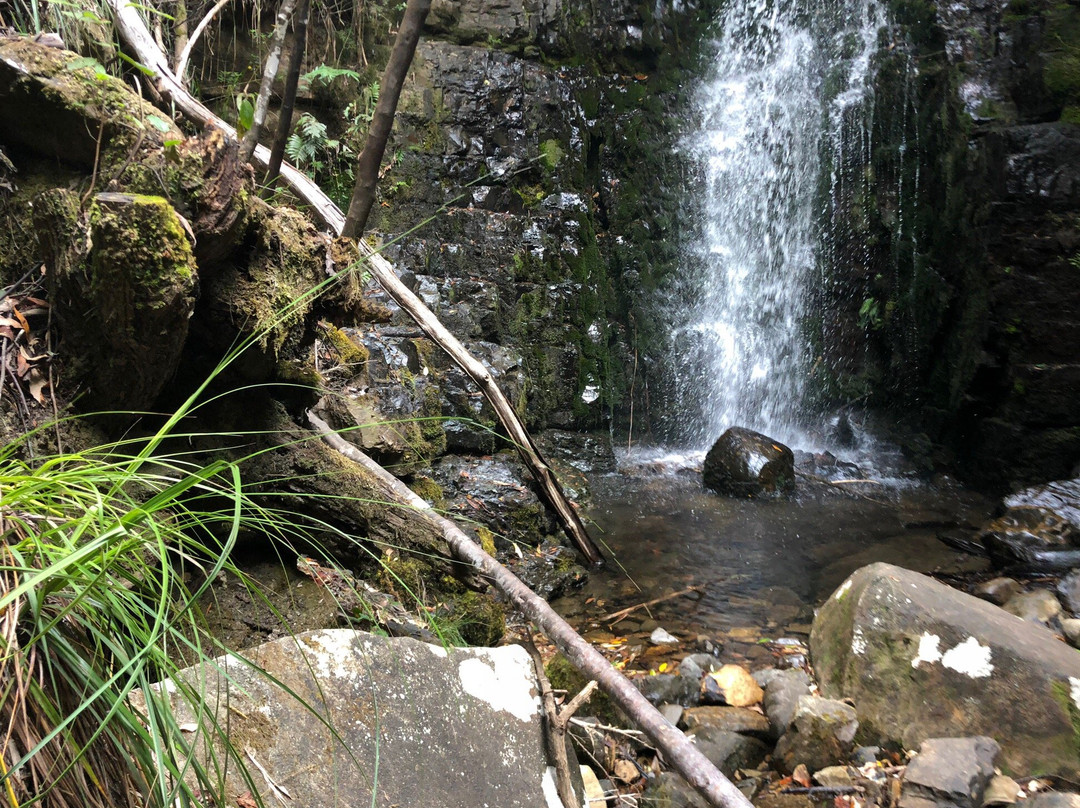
(922, 660)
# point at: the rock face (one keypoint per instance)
(746, 463)
(417, 724)
(922, 660)
(981, 332)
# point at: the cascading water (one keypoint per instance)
(781, 116)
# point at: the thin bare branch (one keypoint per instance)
(185, 54)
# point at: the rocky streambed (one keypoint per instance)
(808, 670)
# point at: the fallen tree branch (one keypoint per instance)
(134, 32)
(686, 758)
(615, 617)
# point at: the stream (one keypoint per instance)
(759, 566)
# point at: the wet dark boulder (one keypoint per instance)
(1040, 528)
(746, 463)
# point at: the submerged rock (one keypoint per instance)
(921, 660)
(1038, 606)
(746, 463)
(1062, 497)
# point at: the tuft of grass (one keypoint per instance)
(93, 605)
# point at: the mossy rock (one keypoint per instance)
(479, 618)
(124, 307)
(51, 105)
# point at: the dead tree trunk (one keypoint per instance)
(367, 166)
(686, 758)
(270, 71)
(138, 38)
(292, 80)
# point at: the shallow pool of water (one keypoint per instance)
(759, 567)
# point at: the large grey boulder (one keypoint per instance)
(415, 723)
(922, 660)
(746, 463)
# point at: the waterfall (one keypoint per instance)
(780, 128)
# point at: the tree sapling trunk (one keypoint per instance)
(273, 60)
(288, 101)
(367, 167)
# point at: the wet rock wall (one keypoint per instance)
(957, 296)
(539, 139)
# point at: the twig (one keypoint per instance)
(97, 160)
(185, 54)
(636, 734)
(837, 484)
(825, 791)
(572, 706)
(615, 617)
(554, 730)
(52, 386)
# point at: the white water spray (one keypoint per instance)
(781, 114)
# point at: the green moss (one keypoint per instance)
(564, 676)
(486, 539)
(1062, 694)
(480, 619)
(349, 351)
(427, 489)
(297, 372)
(551, 154)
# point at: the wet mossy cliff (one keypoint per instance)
(547, 129)
(958, 294)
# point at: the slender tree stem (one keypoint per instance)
(292, 80)
(367, 166)
(270, 71)
(185, 54)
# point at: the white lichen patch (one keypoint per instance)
(437, 650)
(928, 650)
(858, 642)
(1074, 691)
(969, 657)
(843, 590)
(332, 653)
(507, 684)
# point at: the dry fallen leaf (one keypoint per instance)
(246, 800)
(38, 382)
(801, 776)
